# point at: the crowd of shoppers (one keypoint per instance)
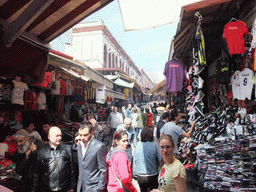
(47, 164)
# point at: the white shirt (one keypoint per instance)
(236, 84)
(100, 92)
(18, 92)
(41, 102)
(35, 136)
(84, 149)
(115, 119)
(246, 79)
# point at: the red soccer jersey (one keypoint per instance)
(234, 33)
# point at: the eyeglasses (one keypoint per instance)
(165, 147)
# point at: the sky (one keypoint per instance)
(148, 48)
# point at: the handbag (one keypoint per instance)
(119, 181)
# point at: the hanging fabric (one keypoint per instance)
(200, 43)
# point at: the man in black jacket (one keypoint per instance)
(23, 158)
(161, 123)
(54, 167)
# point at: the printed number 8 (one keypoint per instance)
(245, 82)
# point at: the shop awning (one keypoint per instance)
(85, 72)
(123, 83)
(159, 86)
(215, 13)
(148, 14)
(27, 26)
(114, 94)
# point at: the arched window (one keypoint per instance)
(113, 61)
(105, 65)
(109, 60)
(116, 63)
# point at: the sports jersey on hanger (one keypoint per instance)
(234, 34)
(246, 79)
(236, 84)
(199, 37)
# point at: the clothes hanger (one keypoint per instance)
(233, 19)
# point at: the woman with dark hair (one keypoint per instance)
(172, 177)
(119, 171)
(146, 160)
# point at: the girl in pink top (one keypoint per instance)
(119, 165)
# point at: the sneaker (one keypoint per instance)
(199, 107)
(198, 69)
(200, 95)
(200, 83)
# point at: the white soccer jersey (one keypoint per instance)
(235, 84)
(246, 79)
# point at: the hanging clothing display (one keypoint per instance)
(63, 87)
(223, 70)
(199, 38)
(246, 83)
(41, 103)
(5, 89)
(69, 87)
(56, 89)
(18, 92)
(234, 32)
(100, 92)
(242, 84)
(46, 81)
(174, 73)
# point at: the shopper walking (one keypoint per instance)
(119, 171)
(91, 161)
(54, 166)
(172, 175)
(146, 161)
(142, 121)
(114, 119)
(171, 128)
(150, 118)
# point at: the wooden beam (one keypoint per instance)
(3, 2)
(14, 29)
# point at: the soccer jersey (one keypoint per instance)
(234, 33)
(246, 79)
(236, 84)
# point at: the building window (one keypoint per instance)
(105, 65)
(113, 61)
(109, 60)
(116, 63)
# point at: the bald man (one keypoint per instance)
(54, 167)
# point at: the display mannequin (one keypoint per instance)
(17, 93)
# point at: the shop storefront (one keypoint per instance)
(220, 93)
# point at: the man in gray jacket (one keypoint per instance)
(91, 161)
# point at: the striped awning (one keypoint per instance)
(27, 27)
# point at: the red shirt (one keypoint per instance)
(63, 87)
(234, 33)
(47, 80)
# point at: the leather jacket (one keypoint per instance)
(54, 169)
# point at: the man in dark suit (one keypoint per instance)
(91, 161)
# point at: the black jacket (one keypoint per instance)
(54, 169)
(159, 125)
